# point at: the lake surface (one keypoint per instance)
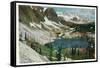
(69, 43)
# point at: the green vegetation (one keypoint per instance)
(58, 54)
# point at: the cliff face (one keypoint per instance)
(51, 14)
(29, 14)
(36, 14)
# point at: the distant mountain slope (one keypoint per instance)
(48, 19)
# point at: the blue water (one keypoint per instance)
(69, 43)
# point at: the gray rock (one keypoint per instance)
(50, 13)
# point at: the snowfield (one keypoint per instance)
(38, 35)
(28, 55)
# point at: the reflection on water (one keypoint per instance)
(70, 43)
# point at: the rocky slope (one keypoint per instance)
(28, 55)
(48, 19)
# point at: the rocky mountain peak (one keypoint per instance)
(47, 18)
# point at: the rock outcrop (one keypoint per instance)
(50, 13)
(29, 14)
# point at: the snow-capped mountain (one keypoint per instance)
(44, 24)
(75, 18)
(47, 24)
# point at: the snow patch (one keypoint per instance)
(69, 17)
(51, 23)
